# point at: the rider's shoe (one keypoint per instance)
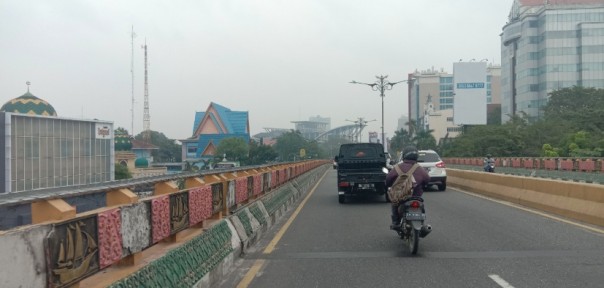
(395, 225)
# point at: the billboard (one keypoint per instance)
(470, 88)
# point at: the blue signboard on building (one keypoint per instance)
(477, 85)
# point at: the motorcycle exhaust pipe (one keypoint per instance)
(426, 229)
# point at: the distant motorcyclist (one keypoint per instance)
(410, 155)
(487, 163)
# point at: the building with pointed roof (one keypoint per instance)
(210, 128)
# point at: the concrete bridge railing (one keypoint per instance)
(580, 201)
(176, 237)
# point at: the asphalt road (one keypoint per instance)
(476, 242)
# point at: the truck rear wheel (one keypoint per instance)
(341, 199)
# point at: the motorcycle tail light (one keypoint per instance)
(415, 204)
(440, 164)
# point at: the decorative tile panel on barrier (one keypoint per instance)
(71, 250)
(549, 164)
(160, 218)
(282, 176)
(528, 163)
(136, 227)
(200, 204)
(250, 187)
(217, 197)
(257, 184)
(587, 165)
(179, 212)
(274, 179)
(110, 237)
(566, 164)
(266, 182)
(241, 190)
(231, 194)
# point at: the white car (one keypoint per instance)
(435, 166)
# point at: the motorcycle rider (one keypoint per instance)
(410, 155)
(487, 162)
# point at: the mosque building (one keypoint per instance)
(42, 150)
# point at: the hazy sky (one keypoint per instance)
(282, 61)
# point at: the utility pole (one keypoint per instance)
(132, 35)
(146, 116)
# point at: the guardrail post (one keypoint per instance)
(120, 197)
(48, 210)
(163, 188)
(194, 182)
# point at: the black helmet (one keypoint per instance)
(410, 153)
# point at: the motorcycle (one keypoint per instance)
(490, 167)
(412, 227)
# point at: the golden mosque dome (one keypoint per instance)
(29, 104)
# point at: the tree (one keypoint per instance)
(289, 144)
(235, 148)
(413, 127)
(424, 140)
(400, 139)
(121, 172)
(168, 150)
(261, 154)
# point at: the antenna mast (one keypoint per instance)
(132, 35)
(146, 116)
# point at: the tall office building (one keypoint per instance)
(548, 45)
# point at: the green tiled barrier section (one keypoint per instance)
(277, 199)
(245, 220)
(255, 210)
(186, 265)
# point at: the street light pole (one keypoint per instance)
(362, 123)
(381, 84)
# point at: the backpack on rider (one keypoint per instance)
(402, 188)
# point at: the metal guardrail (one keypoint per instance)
(16, 198)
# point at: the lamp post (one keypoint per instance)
(362, 123)
(381, 84)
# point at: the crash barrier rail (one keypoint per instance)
(172, 238)
(589, 170)
(580, 201)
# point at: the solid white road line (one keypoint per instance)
(500, 281)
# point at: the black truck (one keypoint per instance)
(360, 170)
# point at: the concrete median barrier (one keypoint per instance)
(580, 201)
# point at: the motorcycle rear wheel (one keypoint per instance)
(413, 241)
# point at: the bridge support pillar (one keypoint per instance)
(49, 210)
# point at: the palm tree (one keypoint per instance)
(413, 127)
(399, 141)
(424, 140)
